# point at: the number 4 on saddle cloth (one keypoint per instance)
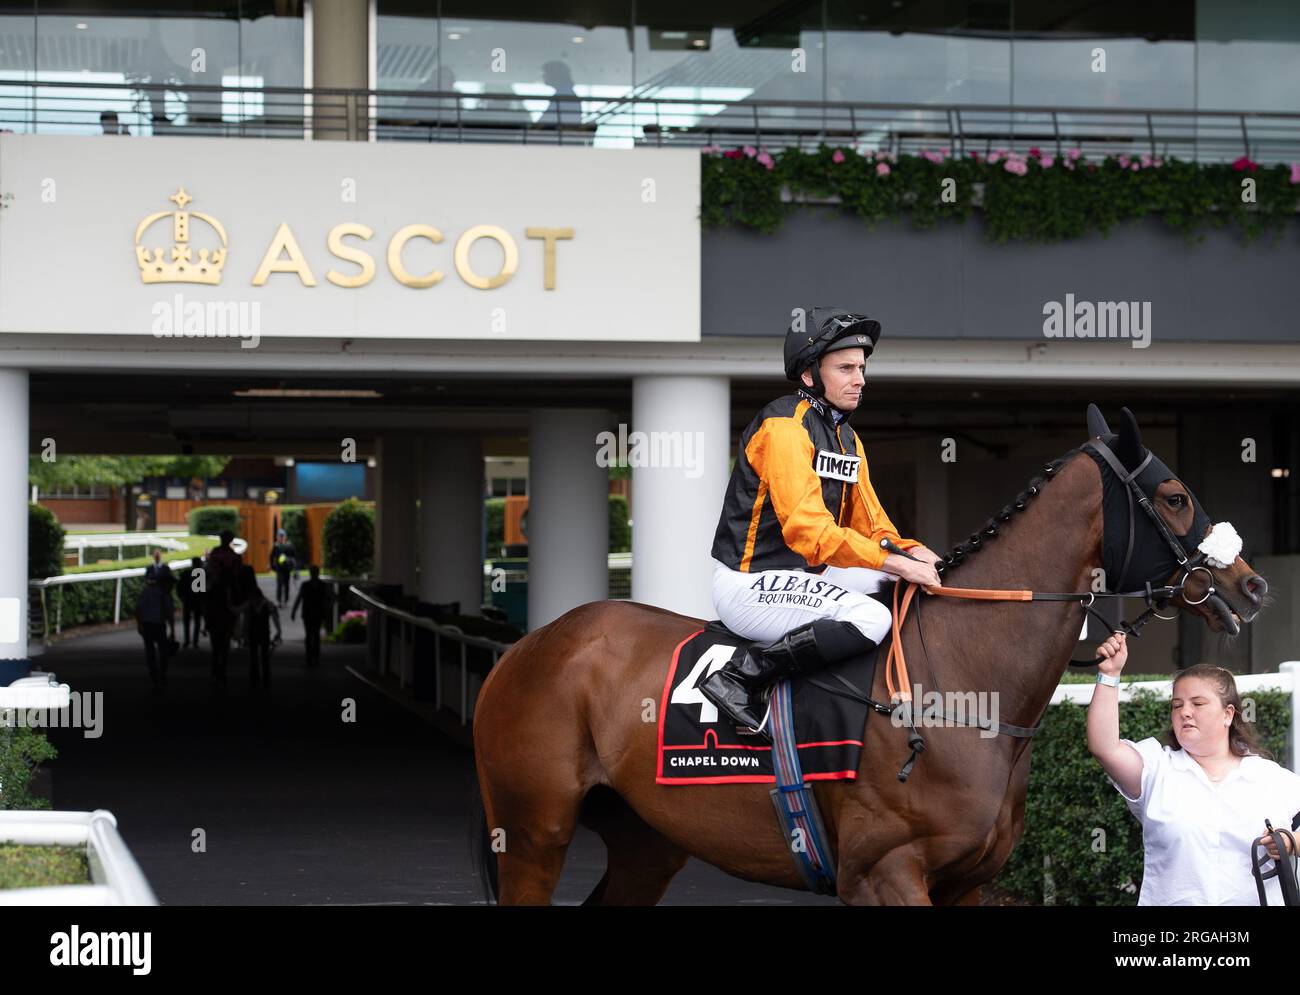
(699, 745)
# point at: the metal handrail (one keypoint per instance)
(408, 623)
(41, 584)
(637, 119)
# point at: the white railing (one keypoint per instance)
(120, 540)
(43, 584)
(408, 623)
(1287, 679)
(117, 878)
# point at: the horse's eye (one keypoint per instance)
(1176, 501)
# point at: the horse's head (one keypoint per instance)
(1157, 532)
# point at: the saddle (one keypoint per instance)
(698, 745)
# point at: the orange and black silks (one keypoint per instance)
(799, 496)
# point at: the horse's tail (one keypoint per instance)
(480, 844)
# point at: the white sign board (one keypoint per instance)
(186, 236)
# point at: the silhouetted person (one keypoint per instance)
(260, 614)
(314, 597)
(223, 567)
(283, 562)
(154, 615)
(108, 121)
(191, 602)
(160, 570)
(556, 75)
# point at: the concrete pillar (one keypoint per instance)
(932, 478)
(451, 520)
(13, 514)
(683, 424)
(340, 48)
(568, 513)
(395, 523)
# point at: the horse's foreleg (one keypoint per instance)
(897, 878)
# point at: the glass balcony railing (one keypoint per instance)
(613, 117)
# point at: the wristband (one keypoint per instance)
(1107, 679)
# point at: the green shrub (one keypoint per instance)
(351, 628)
(21, 750)
(620, 533)
(1069, 799)
(44, 543)
(24, 866)
(90, 602)
(349, 540)
(209, 520)
(294, 523)
(495, 508)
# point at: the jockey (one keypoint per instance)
(797, 549)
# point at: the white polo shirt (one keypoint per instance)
(1196, 835)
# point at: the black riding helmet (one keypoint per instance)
(819, 330)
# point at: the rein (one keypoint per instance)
(896, 677)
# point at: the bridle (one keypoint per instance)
(1156, 598)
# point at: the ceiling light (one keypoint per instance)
(305, 392)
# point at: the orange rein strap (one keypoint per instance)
(894, 661)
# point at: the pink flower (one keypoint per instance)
(751, 151)
(1047, 161)
(711, 148)
(1034, 153)
(994, 157)
(882, 169)
(766, 160)
(1147, 161)
(838, 156)
(1134, 166)
(1157, 162)
(1074, 154)
(1016, 166)
(1123, 162)
(1243, 164)
(1295, 172)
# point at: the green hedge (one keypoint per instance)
(294, 523)
(21, 751)
(90, 602)
(210, 519)
(1069, 798)
(44, 542)
(620, 533)
(349, 540)
(1038, 196)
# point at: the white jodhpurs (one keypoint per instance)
(764, 606)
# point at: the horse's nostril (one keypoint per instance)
(1255, 587)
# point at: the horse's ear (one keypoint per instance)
(1097, 423)
(1129, 446)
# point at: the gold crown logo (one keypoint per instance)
(179, 265)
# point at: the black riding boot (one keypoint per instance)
(736, 688)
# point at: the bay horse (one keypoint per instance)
(565, 731)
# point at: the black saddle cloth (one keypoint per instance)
(699, 745)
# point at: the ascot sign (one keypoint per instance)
(285, 255)
(349, 240)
